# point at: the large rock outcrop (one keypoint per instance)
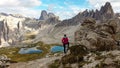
(97, 36)
(10, 29)
(76, 54)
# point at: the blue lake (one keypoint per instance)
(29, 50)
(57, 49)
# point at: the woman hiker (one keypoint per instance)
(65, 42)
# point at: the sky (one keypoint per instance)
(65, 9)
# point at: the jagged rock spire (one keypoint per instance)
(44, 15)
(106, 12)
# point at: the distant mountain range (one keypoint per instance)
(48, 27)
(106, 12)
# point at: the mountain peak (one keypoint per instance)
(107, 10)
(107, 4)
(44, 15)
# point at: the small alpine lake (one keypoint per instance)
(58, 48)
(29, 50)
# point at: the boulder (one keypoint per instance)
(97, 37)
(76, 54)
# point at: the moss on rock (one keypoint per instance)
(78, 49)
(76, 54)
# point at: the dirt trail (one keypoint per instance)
(39, 63)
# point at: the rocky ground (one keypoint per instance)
(39, 63)
(77, 57)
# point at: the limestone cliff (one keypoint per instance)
(10, 28)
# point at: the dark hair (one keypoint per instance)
(64, 35)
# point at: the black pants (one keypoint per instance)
(66, 47)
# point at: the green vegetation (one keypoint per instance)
(55, 64)
(12, 52)
(76, 54)
(31, 36)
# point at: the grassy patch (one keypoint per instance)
(30, 36)
(55, 64)
(12, 52)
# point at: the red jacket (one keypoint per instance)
(65, 40)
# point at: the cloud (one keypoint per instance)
(23, 11)
(23, 7)
(76, 9)
(19, 3)
(98, 3)
(64, 14)
(69, 12)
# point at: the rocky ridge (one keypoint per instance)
(106, 12)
